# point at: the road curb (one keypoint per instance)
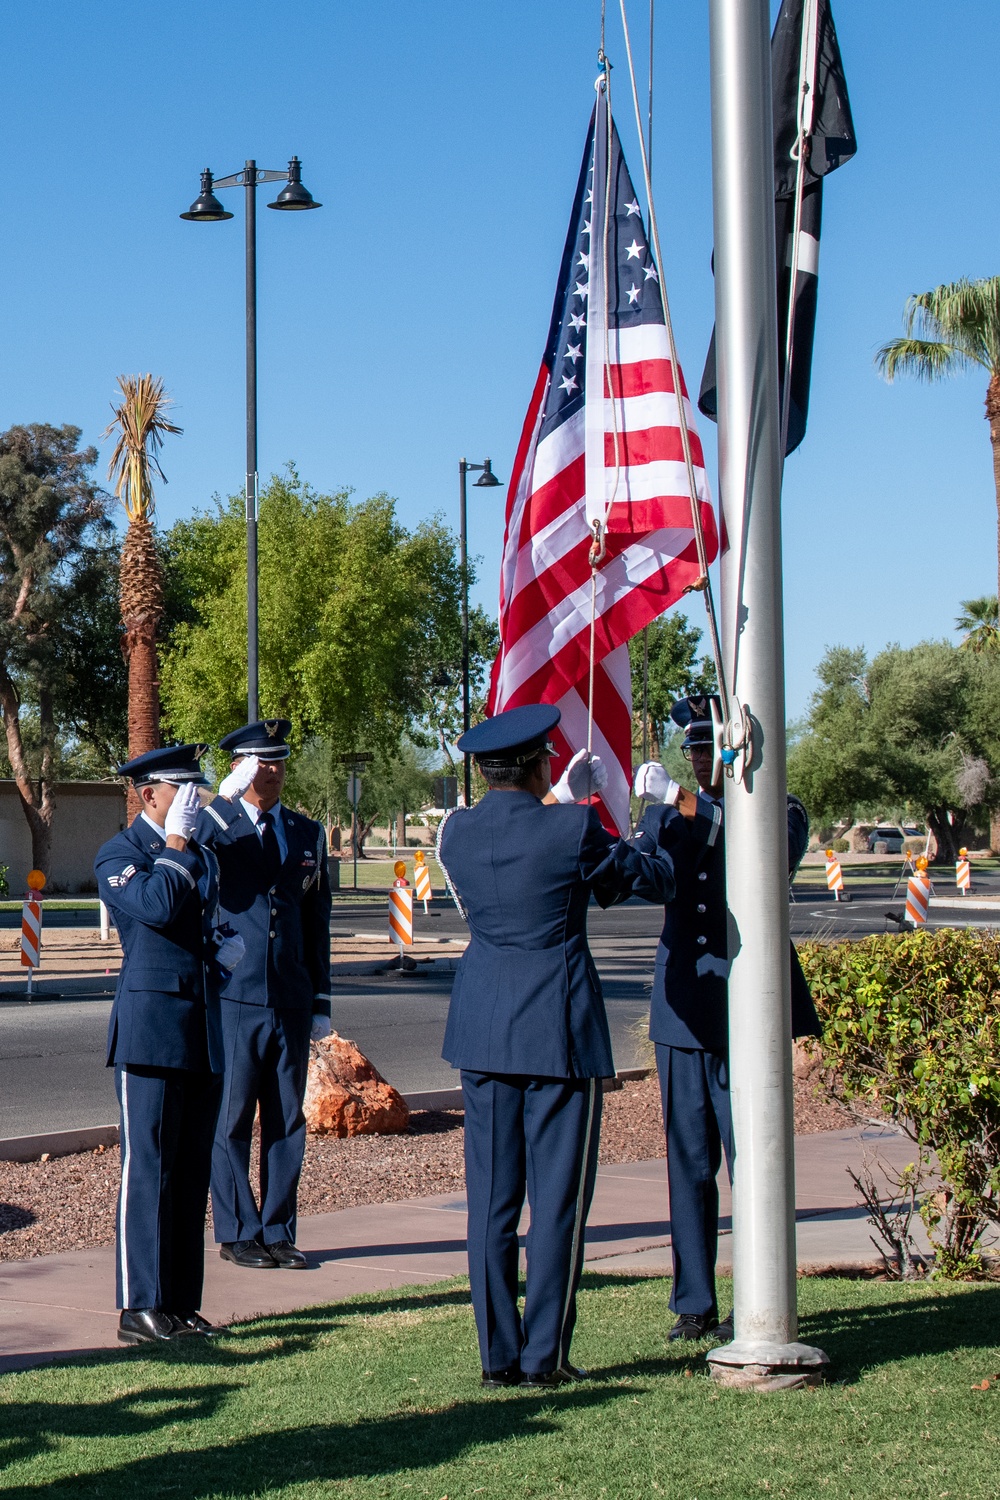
(89, 1138)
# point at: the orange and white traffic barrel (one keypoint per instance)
(401, 909)
(421, 878)
(834, 876)
(918, 890)
(31, 927)
(963, 873)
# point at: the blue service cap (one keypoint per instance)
(174, 763)
(513, 737)
(694, 716)
(266, 738)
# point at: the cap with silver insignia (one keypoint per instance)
(174, 763)
(512, 738)
(266, 739)
(694, 716)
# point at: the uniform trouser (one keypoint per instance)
(539, 1135)
(694, 1088)
(167, 1124)
(266, 1063)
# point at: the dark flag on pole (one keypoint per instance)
(810, 104)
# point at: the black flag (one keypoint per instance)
(832, 142)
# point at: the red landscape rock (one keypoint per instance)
(345, 1095)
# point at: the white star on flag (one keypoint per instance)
(581, 289)
(577, 321)
(633, 293)
(568, 383)
(573, 352)
(633, 207)
(635, 250)
(651, 273)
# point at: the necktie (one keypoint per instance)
(270, 846)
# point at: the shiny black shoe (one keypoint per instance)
(495, 1380)
(287, 1256)
(247, 1253)
(694, 1326)
(724, 1331)
(145, 1325)
(195, 1323)
(562, 1376)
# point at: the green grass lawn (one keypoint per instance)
(379, 1396)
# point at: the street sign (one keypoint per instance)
(354, 790)
(356, 758)
(446, 792)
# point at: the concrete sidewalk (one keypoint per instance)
(59, 1305)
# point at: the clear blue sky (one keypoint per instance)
(402, 325)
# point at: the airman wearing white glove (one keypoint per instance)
(585, 775)
(653, 784)
(241, 777)
(182, 814)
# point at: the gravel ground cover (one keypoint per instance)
(69, 1203)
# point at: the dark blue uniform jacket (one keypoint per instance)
(526, 997)
(164, 904)
(690, 979)
(286, 926)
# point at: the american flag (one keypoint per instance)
(601, 441)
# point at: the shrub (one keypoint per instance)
(911, 1026)
(840, 846)
(4, 880)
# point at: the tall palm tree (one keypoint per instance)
(980, 620)
(140, 423)
(953, 328)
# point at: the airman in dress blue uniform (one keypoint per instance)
(689, 1013)
(275, 892)
(165, 1043)
(528, 1029)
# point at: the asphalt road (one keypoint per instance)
(52, 1073)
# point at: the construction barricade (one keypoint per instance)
(31, 928)
(835, 877)
(963, 872)
(918, 892)
(421, 879)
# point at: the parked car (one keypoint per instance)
(893, 836)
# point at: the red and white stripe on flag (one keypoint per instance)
(606, 381)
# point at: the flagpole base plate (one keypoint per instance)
(753, 1364)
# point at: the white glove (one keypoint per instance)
(231, 951)
(182, 814)
(654, 785)
(320, 1028)
(585, 774)
(236, 783)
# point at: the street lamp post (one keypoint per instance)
(206, 209)
(487, 481)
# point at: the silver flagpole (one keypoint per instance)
(765, 1350)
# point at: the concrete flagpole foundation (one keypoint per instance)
(765, 1353)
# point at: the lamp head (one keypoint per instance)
(206, 208)
(487, 479)
(293, 195)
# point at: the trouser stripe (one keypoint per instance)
(123, 1202)
(581, 1197)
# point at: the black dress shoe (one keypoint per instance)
(287, 1256)
(694, 1326)
(145, 1325)
(195, 1323)
(561, 1376)
(493, 1380)
(247, 1253)
(724, 1331)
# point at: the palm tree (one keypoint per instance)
(953, 328)
(140, 422)
(980, 620)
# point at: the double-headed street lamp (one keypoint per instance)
(206, 209)
(487, 481)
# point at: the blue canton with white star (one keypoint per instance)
(634, 291)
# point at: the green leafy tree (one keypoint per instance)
(392, 786)
(674, 671)
(953, 328)
(900, 730)
(55, 533)
(980, 623)
(356, 615)
(443, 720)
